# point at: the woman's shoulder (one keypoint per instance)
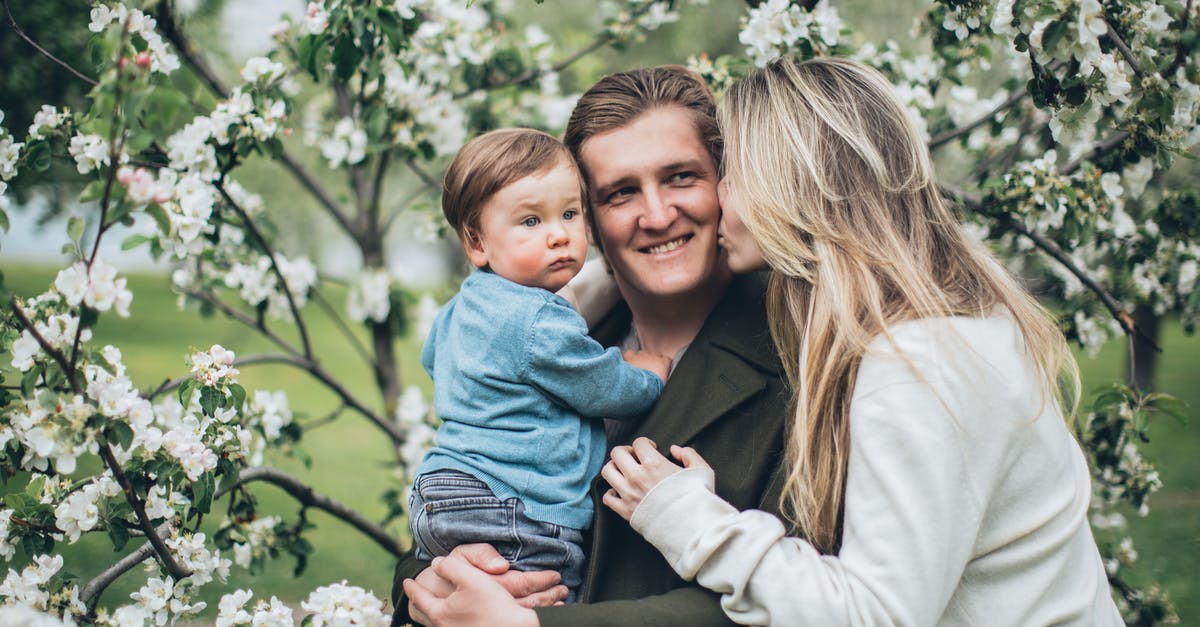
(947, 352)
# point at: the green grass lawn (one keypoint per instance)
(351, 458)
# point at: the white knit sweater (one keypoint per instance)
(966, 502)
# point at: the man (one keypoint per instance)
(648, 145)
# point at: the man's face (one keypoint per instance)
(653, 186)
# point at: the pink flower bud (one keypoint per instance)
(142, 59)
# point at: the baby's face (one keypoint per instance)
(533, 231)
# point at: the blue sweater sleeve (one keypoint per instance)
(566, 364)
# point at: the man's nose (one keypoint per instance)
(659, 212)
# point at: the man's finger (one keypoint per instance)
(522, 584)
(554, 596)
(456, 570)
(421, 602)
(482, 556)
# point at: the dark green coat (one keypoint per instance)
(727, 399)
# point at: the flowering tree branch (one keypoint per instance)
(54, 353)
(170, 29)
(1096, 152)
(954, 133)
(91, 591)
(12, 23)
(1053, 250)
(249, 225)
(155, 540)
(1125, 51)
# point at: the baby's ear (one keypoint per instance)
(475, 248)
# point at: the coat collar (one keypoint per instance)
(729, 362)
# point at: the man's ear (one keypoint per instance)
(474, 247)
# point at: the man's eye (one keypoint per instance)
(531, 221)
(570, 214)
(681, 177)
(621, 194)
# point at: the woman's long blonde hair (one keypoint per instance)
(839, 193)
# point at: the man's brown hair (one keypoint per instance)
(487, 164)
(618, 99)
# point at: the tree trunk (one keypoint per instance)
(1141, 365)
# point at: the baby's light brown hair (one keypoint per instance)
(488, 163)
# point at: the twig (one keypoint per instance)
(328, 418)
(321, 302)
(139, 508)
(1098, 150)
(310, 498)
(262, 241)
(1125, 51)
(92, 590)
(955, 133)
(422, 174)
(322, 375)
(244, 319)
(54, 353)
(599, 42)
(12, 22)
(1052, 249)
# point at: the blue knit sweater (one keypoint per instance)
(522, 389)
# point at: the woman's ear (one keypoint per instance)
(475, 248)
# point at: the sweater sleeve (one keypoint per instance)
(567, 365)
(911, 518)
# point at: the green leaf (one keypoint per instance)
(239, 395)
(133, 241)
(345, 58)
(118, 534)
(4, 220)
(75, 228)
(39, 156)
(210, 400)
(185, 391)
(29, 381)
(202, 493)
(160, 218)
(94, 191)
(119, 432)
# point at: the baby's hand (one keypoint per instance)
(646, 360)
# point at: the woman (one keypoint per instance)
(930, 474)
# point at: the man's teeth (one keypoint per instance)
(668, 247)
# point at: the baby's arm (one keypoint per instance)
(646, 360)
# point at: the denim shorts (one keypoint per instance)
(448, 508)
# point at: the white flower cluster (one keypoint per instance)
(258, 68)
(156, 603)
(47, 117)
(10, 154)
(214, 366)
(553, 108)
(270, 410)
(345, 606)
(191, 149)
(24, 594)
(416, 423)
(193, 555)
(265, 614)
(136, 23)
(368, 297)
(96, 286)
(51, 427)
(7, 549)
(776, 26)
(80, 511)
(90, 152)
(143, 187)
(347, 145)
(59, 332)
(316, 19)
(257, 282)
(259, 535)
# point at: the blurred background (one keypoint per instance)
(350, 462)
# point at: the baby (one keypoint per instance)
(519, 385)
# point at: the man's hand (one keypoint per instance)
(634, 470)
(646, 360)
(528, 589)
(474, 598)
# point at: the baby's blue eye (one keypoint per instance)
(531, 221)
(570, 214)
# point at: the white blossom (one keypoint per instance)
(343, 605)
(46, 117)
(272, 411)
(10, 153)
(90, 152)
(347, 145)
(368, 298)
(316, 19)
(1156, 19)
